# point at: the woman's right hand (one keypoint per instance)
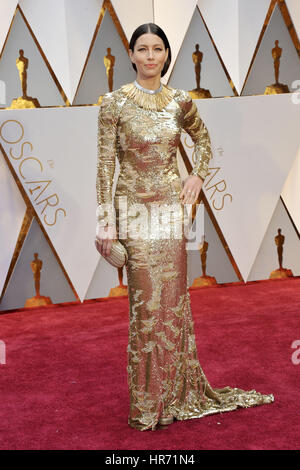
(104, 238)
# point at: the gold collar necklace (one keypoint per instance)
(155, 100)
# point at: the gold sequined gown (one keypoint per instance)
(164, 373)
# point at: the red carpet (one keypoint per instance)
(64, 384)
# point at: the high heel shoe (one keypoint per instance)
(165, 420)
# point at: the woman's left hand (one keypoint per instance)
(191, 189)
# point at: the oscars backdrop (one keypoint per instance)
(239, 60)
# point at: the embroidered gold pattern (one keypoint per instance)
(164, 373)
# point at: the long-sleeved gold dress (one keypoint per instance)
(143, 132)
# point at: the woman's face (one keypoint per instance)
(149, 55)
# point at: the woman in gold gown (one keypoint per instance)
(141, 124)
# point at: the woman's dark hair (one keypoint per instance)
(154, 29)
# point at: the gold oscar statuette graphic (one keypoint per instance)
(38, 300)
(121, 289)
(204, 280)
(281, 272)
(23, 101)
(109, 63)
(198, 93)
(277, 87)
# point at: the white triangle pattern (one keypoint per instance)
(294, 10)
(64, 30)
(235, 26)
(7, 10)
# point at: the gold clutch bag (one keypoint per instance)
(118, 255)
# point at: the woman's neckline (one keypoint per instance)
(147, 90)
